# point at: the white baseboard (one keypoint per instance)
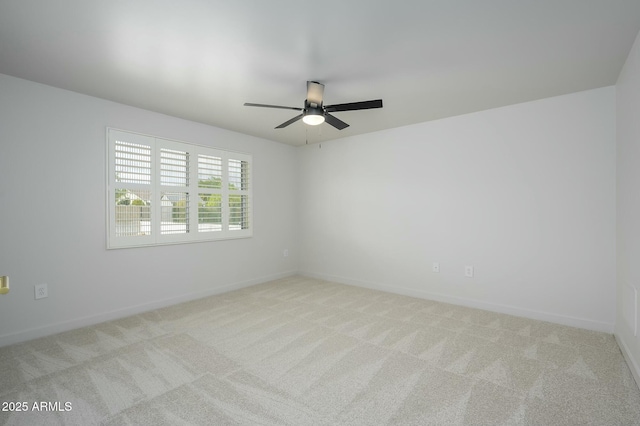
(631, 362)
(47, 330)
(471, 303)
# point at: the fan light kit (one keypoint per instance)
(314, 112)
(313, 117)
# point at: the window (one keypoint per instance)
(162, 192)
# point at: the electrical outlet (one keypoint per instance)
(468, 271)
(435, 267)
(41, 291)
(285, 253)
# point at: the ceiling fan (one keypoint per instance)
(314, 112)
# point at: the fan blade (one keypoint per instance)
(335, 122)
(286, 123)
(272, 106)
(353, 106)
(315, 91)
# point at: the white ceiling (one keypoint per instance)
(201, 60)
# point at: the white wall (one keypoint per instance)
(52, 216)
(524, 193)
(628, 207)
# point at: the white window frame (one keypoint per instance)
(192, 233)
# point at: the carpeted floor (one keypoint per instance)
(300, 351)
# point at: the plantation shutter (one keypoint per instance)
(130, 191)
(164, 192)
(239, 208)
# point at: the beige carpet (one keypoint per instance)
(300, 351)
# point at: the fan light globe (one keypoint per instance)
(313, 120)
(313, 117)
